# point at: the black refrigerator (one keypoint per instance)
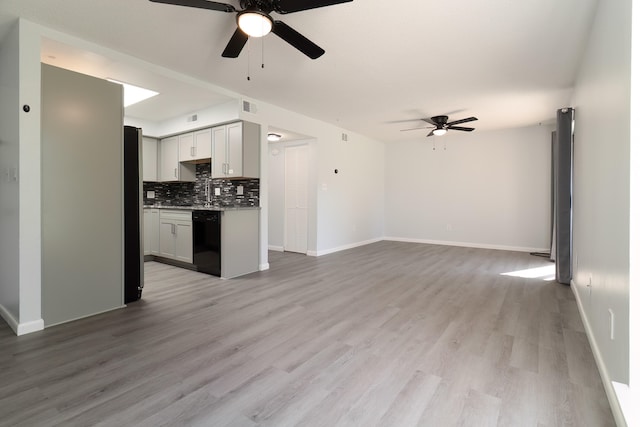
(133, 238)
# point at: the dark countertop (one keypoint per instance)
(201, 207)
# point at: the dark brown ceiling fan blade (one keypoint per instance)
(457, 122)
(297, 40)
(200, 4)
(235, 45)
(289, 6)
(460, 128)
(428, 120)
(404, 130)
(430, 133)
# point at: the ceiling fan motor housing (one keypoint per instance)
(440, 121)
(264, 6)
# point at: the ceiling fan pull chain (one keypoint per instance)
(262, 52)
(249, 61)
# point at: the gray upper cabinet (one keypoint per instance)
(195, 146)
(149, 159)
(236, 151)
(185, 147)
(170, 167)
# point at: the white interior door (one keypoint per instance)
(295, 198)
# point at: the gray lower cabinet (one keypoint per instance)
(169, 234)
(151, 231)
(175, 235)
(240, 242)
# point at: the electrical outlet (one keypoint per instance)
(216, 191)
(151, 194)
(239, 190)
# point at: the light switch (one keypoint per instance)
(216, 191)
(239, 190)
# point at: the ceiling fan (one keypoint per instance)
(254, 20)
(442, 125)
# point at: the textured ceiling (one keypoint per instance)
(509, 63)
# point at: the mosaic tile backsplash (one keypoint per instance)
(194, 193)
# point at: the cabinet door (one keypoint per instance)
(184, 241)
(167, 239)
(219, 158)
(149, 159)
(234, 150)
(169, 159)
(202, 144)
(186, 150)
(154, 232)
(146, 219)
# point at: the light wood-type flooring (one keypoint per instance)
(388, 334)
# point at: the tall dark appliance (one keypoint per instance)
(133, 251)
(563, 193)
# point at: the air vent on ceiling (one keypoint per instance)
(249, 107)
(192, 118)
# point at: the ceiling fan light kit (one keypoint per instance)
(439, 132)
(254, 20)
(255, 23)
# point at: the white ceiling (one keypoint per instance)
(509, 63)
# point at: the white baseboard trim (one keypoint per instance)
(628, 402)
(609, 389)
(20, 328)
(8, 317)
(467, 244)
(263, 267)
(29, 327)
(342, 248)
(276, 248)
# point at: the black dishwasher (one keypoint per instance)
(206, 241)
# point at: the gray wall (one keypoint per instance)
(601, 184)
(9, 139)
(485, 188)
(82, 226)
(20, 251)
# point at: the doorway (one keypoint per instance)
(296, 196)
(290, 199)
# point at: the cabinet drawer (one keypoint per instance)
(175, 215)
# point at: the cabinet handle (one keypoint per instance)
(175, 173)
(193, 151)
(173, 229)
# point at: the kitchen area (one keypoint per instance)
(201, 199)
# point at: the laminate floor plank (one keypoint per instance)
(389, 334)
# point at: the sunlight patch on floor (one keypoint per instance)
(547, 273)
